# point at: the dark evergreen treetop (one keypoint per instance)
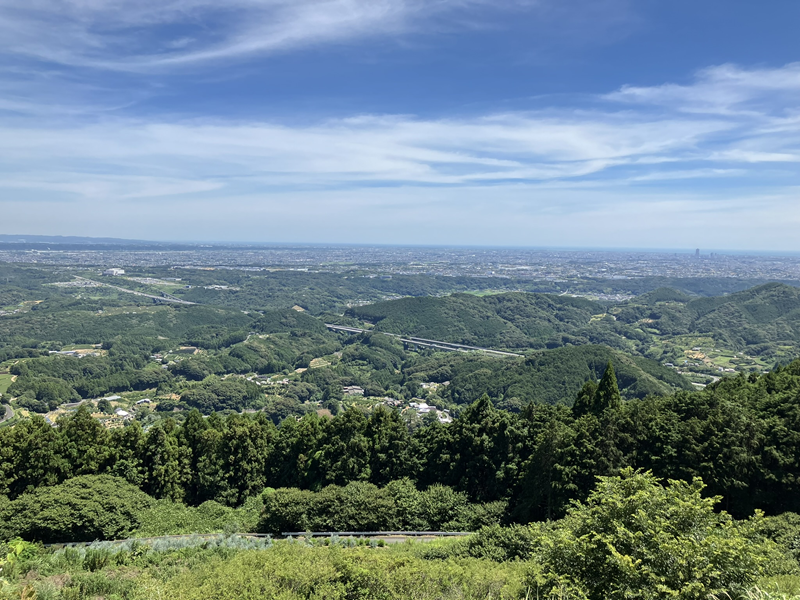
(607, 395)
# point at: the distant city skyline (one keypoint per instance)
(514, 123)
(17, 242)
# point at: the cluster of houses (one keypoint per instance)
(422, 408)
(417, 406)
(119, 417)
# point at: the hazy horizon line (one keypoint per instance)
(73, 239)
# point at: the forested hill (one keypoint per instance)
(513, 320)
(765, 314)
(552, 376)
(759, 320)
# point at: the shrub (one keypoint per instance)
(500, 544)
(297, 572)
(472, 517)
(784, 530)
(440, 505)
(166, 517)
(496, 543)
(86, 508)
(407, 505)
(360, 506)
(357, 506)
(12, 554)
(637, 538)
(285, 509)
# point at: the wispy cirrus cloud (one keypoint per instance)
(625, 142)
(146, 35)
(723, 89)
(359, 151)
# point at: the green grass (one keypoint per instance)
(288, 570)
(227, 568)
(481, 293)
(294, 571)
(5, 381)
(781, 586)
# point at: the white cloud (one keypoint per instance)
(151, 35)
(723, 89)
(688, 174)
(100, 187)
(355, 151)
(142, 35)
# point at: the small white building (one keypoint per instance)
(114, 272)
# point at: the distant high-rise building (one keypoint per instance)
(697, 253)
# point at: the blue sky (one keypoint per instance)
(604, 123)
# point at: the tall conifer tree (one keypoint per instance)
(607, 391)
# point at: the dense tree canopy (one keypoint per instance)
(735, 434)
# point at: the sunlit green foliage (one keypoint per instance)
(84, 508)
(364, 507)
(634, 537)
(166, 517)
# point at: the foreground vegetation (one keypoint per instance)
(633, 538)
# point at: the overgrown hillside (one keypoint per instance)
(553, 376)
(515, 320)
(754, 319)
(763, 321)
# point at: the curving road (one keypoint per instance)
(9, 413)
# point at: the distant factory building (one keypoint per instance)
(114, 272)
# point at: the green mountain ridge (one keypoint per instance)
(765, 314)
(551, 376)
(752, 319)
(513, 320)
